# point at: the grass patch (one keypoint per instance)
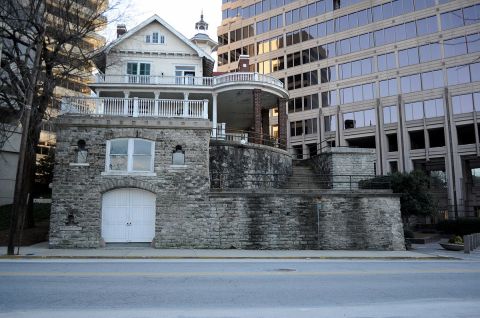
(41, 213)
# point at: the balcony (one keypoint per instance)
(135, 107)
(208, 82)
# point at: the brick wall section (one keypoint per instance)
(282, 121)
(257, 114)
(233, 165)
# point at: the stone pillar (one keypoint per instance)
(282, 122)
(257, 115)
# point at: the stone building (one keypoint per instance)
(169, 156)
(397, 76)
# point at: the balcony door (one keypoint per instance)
(138, 72)
(185, 75)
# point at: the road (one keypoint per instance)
(235, 288)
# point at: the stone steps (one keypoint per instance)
(303, 177)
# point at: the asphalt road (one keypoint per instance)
(186, 289)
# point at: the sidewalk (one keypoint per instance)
(41, 251)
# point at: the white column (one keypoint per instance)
(125, 102)
(98, 103)
(157, 97)
(135, 107)
(205, 109)
(185, 104)
(214, 114)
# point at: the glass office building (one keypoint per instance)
(400, 76)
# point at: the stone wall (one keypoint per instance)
(189, 214)
(345, 167)
(282, 220)
(78, 188)
(248, 166)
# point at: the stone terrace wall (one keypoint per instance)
(344, 167)
(249, 166)
(273, 220)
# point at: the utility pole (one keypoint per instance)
(18, 206)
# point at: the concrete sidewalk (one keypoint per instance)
(41, 251)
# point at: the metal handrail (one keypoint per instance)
(237, 180)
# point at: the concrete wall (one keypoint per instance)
(249, 166)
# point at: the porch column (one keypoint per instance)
(257, 115)
(126, 94)
(185, 104)
(282, 122)
(157, 97)
(214, 115)
(265, 124)
(98, 104)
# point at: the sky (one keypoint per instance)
(180, 14)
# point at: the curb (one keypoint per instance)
(20, 257)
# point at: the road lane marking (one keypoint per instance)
(245, 274)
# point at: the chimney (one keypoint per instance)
(121, 30)
(244, 63)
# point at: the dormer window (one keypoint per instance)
(155, 38)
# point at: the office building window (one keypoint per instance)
(386, 62)
(363, 118)
(463, 103)
(330, 123)
(388, 87)
(390, 114)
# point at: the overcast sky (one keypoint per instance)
(180, 14)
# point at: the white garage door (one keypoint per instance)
(128, 215)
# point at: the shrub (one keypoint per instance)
(460, 226)
(456, 240)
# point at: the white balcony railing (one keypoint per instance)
(135, 107)
(188, 80)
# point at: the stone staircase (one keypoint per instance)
(303, 177)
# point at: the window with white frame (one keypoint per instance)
(155, 38)
(130, 155)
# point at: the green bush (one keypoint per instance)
(460, 226)
(456, 240)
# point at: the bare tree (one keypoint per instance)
(45, 43)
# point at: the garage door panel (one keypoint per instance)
(128, 215)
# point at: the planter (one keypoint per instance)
(452, 246)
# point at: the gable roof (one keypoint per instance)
(153, 18)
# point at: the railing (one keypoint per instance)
(155, 80)
(188, 80)
(220, 180)
(245, 137)
(135, 107)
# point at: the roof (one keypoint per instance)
(156, 18)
